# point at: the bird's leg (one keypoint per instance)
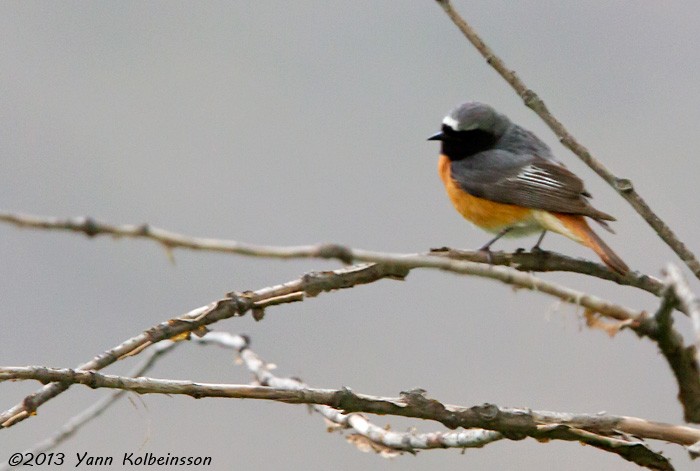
(536, 247)
(487, 246)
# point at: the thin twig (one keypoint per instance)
(603, 424)
(522, 261)
(373, 438)
(312, 284)
(681, 359)
(76, 422)
(513, 423)
(239, 304)
(385, 442)
(545, 261)
(686, 298)
(622, 185)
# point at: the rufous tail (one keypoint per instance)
(585, 235)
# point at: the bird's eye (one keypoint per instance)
(447, 130)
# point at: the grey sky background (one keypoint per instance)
(301, 122)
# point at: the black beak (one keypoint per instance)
(437, 137)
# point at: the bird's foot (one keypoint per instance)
(487, 252)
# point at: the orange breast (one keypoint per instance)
(486, 214)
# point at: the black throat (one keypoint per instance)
(458, 145)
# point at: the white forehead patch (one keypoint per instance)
(451, 122)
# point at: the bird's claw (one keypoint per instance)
(489, 255)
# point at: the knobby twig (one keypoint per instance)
(388, 265)
(312, 284)
(610, 433)
(686, 298)
(600, 423)
(236, 304)
(681, 359)
(545, 261)
(365, 435)
(73, 425)
(522, 261)
(623, 186)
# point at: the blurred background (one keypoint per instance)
(301, 122)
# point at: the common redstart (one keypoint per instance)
(502, 178)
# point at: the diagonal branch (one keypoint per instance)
(312, 284)
(236, 304)
(623, 186)
(75, 423)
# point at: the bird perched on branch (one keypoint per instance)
(505, 180)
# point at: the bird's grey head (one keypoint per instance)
(473, 116)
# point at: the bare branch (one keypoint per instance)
(622, 185)
(545, 261)
(374, 438)
(599, 424)
(687, 299)
(680, 358)
(601, 431)
(391, 266)
(74, 424)
(92, 228)
(383, 441)
(195, 321)
(522, 261)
